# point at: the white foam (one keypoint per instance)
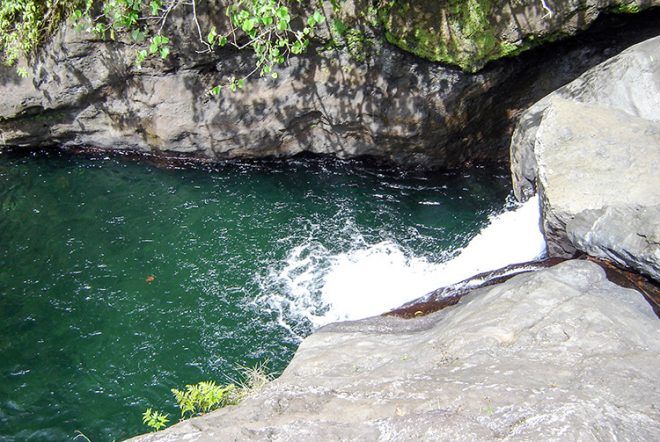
(371, 279)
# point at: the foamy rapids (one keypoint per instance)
(373, 278)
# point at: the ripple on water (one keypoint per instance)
(120, 281)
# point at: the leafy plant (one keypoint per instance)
(204, 397)
(25, 24)
(264, 26)
(267, 26)
(154, 419)
(207, 396)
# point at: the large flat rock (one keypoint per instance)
(560, 354)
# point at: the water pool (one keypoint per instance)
(120, 280)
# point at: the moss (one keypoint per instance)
(626, 8)
(458, 32)
(465, 33)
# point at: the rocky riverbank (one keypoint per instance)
(561, 353)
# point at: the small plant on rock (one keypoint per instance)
(203, 397)
(154, 419)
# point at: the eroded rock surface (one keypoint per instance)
(391, 105)
(599, 185)
(592, 151)
(560, 354)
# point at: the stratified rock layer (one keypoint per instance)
(560, 354)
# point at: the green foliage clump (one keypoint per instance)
(207, 396)
(267, 24)
(154, 419)
(264, 26)
(626, 8)
(26, 24)
(203, 397)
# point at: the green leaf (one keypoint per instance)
(241, 83)
(212, 35)
(248, 25)
(155, 7)
(137, 35)
(283, 13)
(222, 41)
(318, 17)
(164, 52)
(339, 27)
(215, 90)
(274, 74)
(297, 48)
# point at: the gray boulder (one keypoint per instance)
(628, 235)
(629, 82)
(560, 354)
(598, 181)
(592, 151)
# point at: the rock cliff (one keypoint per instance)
(465, 33)
(391, 105)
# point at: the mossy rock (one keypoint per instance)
(470, 33)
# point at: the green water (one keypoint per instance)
(87, 343)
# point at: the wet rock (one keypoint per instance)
(559, 354)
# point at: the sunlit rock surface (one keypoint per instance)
(592, 151)
(629, 82)
(560, 354)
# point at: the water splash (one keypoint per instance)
(370, 279)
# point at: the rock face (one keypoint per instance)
(85, 92)
(595, 165)
(465, 33)
(560, 354)
(629, 82)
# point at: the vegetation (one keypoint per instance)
(207, 396)
(203, 397)
(460, 33)
(154, 419)
(265, 26)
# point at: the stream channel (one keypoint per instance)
(121, 279)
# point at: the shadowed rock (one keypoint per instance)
(391, 105)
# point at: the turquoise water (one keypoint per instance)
(89, 341)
